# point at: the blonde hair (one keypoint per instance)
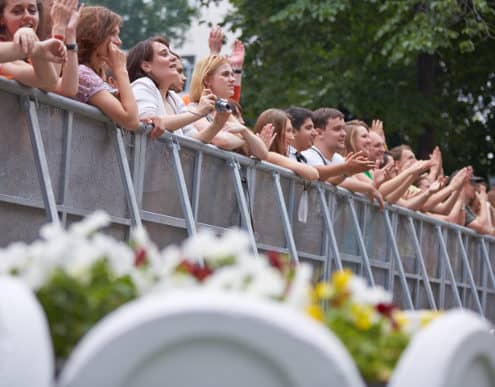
(351, 130)
(203, 69)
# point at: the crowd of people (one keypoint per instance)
(59, 46)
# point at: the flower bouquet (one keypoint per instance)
(80, 275)
(373, 330)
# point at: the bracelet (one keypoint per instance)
(72, 47)
(196, 114)
(58, 37)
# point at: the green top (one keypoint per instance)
(368, 173)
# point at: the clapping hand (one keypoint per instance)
(267, 135)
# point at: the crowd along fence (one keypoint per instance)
(61, 160)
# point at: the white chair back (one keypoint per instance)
(26, 354)
(209, 340)
(455, 350)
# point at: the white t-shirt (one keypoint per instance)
(315, 157)
(150, 103)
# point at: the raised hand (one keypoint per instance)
(215, 40)
(377, 127)
(60, 13)
(51, 50)
(434, 187)
(26, 38)
(382, 175)
(74, 16)
(267, 135)
(357, 162)
(238, 55)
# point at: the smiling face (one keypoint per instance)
(362, 140)
(305, 135)
(17, 14)
(334, 135)
(222, 81)
(377, 147)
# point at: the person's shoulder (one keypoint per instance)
(143, 82)
(337, 158)
(312, 156)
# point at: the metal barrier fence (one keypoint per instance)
(61, 160)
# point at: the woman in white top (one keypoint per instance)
(152, 69)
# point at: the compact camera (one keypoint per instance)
(222, 105)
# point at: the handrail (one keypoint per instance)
(163, 184)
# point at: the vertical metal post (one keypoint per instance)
(242, 203)
(469, 273)
(398, 262)
(67, 160)
(139, 165)
(289, 237)
(444, 253)
(182, 187)
(488, 265)
(40, 160)
(334, 248)
(125, 174)
(421, 260)
(196, 187)
(360, 240)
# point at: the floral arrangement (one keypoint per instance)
(371, 327)
(80, 275)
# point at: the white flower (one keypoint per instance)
(90, 224)
(200, 245)
(362, 294)
(299, 292)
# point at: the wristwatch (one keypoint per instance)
(72, 47)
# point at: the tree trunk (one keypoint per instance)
(426, 65)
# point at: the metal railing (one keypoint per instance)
(61, 160)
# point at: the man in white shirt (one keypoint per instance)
(331, 165)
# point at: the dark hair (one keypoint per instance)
(396, 152)
(278, 118)
(322, 115)
(143, 51)
(3, 29)
(95, 25)
(298, 115)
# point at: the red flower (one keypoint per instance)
(385, 309)
(140, 257)
(275, 260)
(197, 271)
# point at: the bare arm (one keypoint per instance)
(305, 171)
(124, 112)
(69, 81)
(368, 189)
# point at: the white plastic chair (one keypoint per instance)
(26, 354)
(455, 350)
(209, 340)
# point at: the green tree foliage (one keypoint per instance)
(426, 68)
(145, 18)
